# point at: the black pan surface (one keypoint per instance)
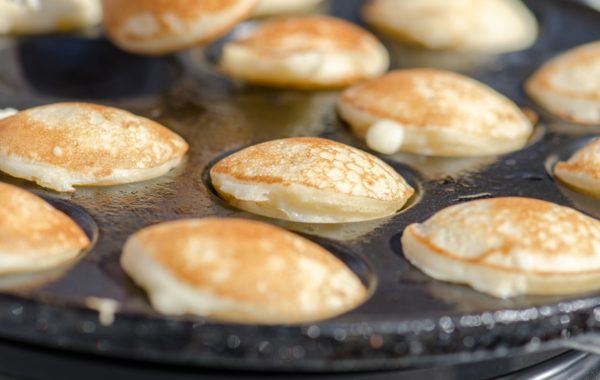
(409, 319)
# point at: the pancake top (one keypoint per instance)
(250, 262)
(30, 226)
(88, 138)
(438, 99)
(300, 34)
(575, 73)
(143, 19)
(515, 234)
(316, 163)
(586, 160)
(471, 25)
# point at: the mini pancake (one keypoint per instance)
(239, 271)
(508, 247)
(33, 234)
(157, 27)
(274, 7)
(65, 144)
(45, 16)
(310, 180)
(569, 85)
(305, 52)
(435, 113)
(473, 26)
(582, 170)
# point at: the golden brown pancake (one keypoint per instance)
(65, 144)
(508, 246)
(473, 26)
(582, 170)
(569, 85)
(305, 52)
(307, 179)
(435, 113)
(164, 26)
(33, 234)
(239, 271)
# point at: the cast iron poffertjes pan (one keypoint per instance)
(409, 318)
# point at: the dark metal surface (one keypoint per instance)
(568, 366)
(409, 319)
(21, 361)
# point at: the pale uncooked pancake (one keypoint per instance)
(164, 26)
(45, 16)
(274, 7)
(310, 180)
(508, 246)
(435, 113)
(68, 144)
(582, 170)
(239, 271)
(569, 85)
(33, 234)
(305, 52)
(475, 26)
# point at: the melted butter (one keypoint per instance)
(385, 136)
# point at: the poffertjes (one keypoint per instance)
(33, 234)
(569, 84)
(435, 113)
(156, 27)
(62, 145)
(508, 247)
(470, 26)
(313, 180)
(582, 170)
(239, 271)
(308, 52)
